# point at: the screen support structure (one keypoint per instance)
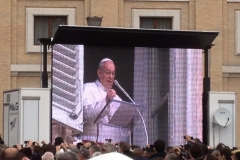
(206, 89)
(45, 42)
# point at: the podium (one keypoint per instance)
(121, 123)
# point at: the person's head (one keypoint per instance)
(225, 153)
(49, 148)
(72, 146)
(48, 156)
(108, 147)
(36, 156)
(124, 147)
(196, 151)
(11, 154)
(205, 149)
(171, 156)
(216, 154)
(138, 151)
(96, 154)
(210, 157)
(58, 141)
(197, 140)
(237, 155)
(148, 152)
(37, 149)
(2, 148)
(220, 146)
(93, 149)
(234, 154)
(67, 156)
(159, 145)
(106, 73)
(82, 153)
(27, 152)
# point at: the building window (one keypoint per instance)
(59, 15)
(237, 33)
(170, 17)
(156, 23)
(46, 26)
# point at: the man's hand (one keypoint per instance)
(19, 147)
(43, 142)
(110, 94)
(58, 148)
(87, 145)
(29, 144)
(188, 138)
(64, 146)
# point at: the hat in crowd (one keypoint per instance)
(83, 151)
(235, 151)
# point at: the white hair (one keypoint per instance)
(95, 154)
(102, 61)
(48, 156)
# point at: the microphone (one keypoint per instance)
(118, 85)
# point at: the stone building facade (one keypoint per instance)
(20, 60)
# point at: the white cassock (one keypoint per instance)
(94, 100)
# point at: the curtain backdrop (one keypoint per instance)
(169, 85)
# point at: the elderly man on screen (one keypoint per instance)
(95, 96)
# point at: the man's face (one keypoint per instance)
(106, 74)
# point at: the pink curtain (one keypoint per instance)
(168, 82)
(185, 98)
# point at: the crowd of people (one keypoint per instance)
(193, 149)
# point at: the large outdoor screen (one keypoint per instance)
(164, 86)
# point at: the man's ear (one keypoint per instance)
(98, 73)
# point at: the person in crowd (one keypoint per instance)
(37, 150)
(61, 148)
(27, 152)
(58, 141)
(148, 152)
(234, 152)
(95, 97)
(196, 151)
(159, 146)
(108, 147)
(82, 153)
(225, 153)
(2, 148)
(11, 154)
(48, 156)
(95, 150)
(124, 148)
(216, 154)
(210, 157)
(237, 156)
(139, 154)
(220, 146)
(171, 156)
(138, 151)
(67, 156)
(49, 148)
(36, 156)
(134, 146)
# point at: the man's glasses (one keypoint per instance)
(108, 73)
